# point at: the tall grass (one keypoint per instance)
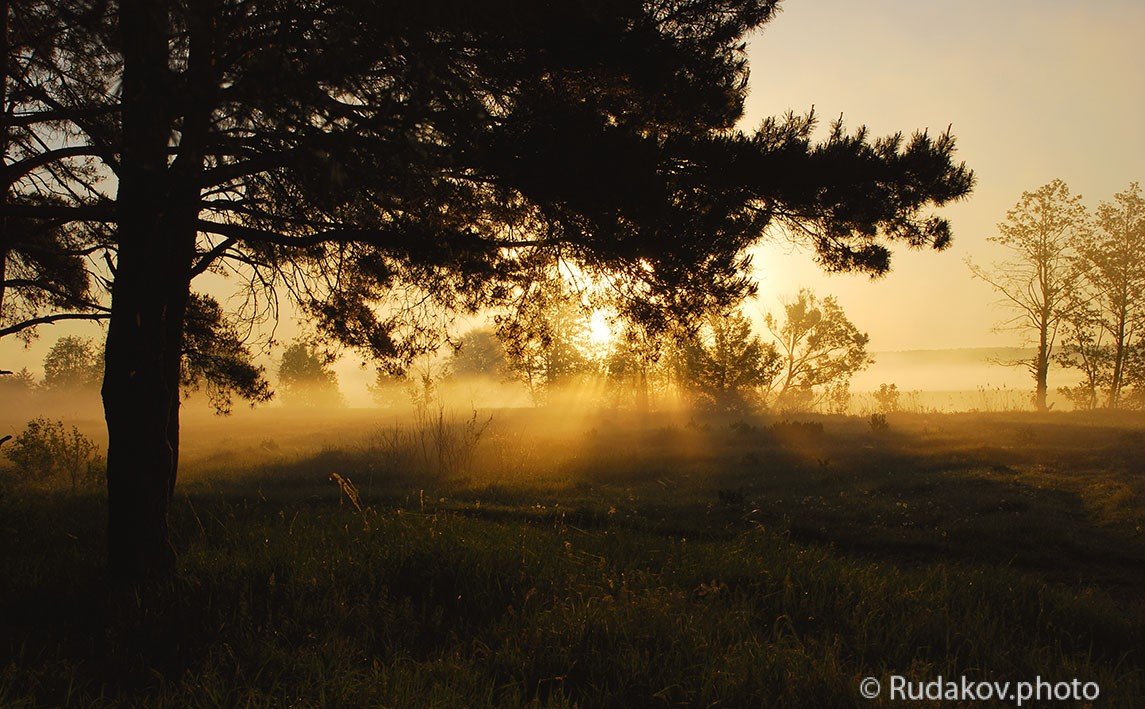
(941, 546)
(275, 609)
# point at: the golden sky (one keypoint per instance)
(1034, 90)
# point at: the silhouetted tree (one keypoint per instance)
(1083, 347)
(724, 365)
(479, 354)
(1041, 233)
(1134, 398)
(819, 349)
(45, 260)
(17, 387)
(216, 358)
(1114, 262)
(73, 363)
(369, 158)
(306, 378)
(546, 336)
(1106, 313)
(637, 364)
(887, 398)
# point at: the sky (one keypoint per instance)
(1032, 90)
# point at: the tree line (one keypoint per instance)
(720, 360)
(75, 364)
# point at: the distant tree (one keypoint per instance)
(479, 354)
(73, 363)
(421, 382)
(15, 387)
(1114, 270)
(546, 336)
(723, 364)
(887, 398)
(1041, 233)
(819, 348)
(1135, 375)
(1084, 347)
(306, 378)
(636, 366)
(388, 390)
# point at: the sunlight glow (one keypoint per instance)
(599, 331)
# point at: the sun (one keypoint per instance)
(599, 331)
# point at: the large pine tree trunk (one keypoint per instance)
(158, 206)
(149, 296)
(4, 185)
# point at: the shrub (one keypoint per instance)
(887, 398)
(878, 422)
(46, 451)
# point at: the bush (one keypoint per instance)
(887, 398)
(878, 423)
(46, 452)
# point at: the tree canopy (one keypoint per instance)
(1105, 316)
(818, 346)
(306, 378)
(72, 363)
(350, 153)
(724, 365)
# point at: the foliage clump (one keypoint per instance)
(305, 377)
(73, 363)
(48, 453)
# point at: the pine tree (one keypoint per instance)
(379, 162)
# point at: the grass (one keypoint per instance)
(605, 563)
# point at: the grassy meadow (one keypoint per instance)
(549, 558)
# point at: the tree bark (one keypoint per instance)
(141, 380)
(4, 185)
(158, 207)
(1042, 364)
(1119, 356)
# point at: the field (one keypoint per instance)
(516, 557)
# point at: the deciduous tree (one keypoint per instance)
(546, 336)
(1041, 234)
(479, 354)
(73, 363)
(1114, 270)
(819, 348)
(305, 377)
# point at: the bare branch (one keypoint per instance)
(49, 319)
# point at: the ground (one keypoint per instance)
(529, 557)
